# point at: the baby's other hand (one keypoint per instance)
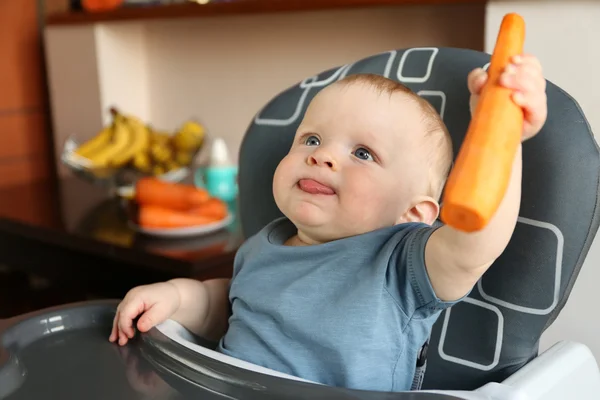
(525, 76)
(156, 303)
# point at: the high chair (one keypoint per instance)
(486, 347)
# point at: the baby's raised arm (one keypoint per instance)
(455, 260)
(201, 307)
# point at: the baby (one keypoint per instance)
(345, 289)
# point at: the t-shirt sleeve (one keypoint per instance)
(407, 279)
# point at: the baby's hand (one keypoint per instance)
(525, 76)
(157, 302)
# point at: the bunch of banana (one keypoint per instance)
(128, 142)
(168, 152)
(189, 137)
(116, 145)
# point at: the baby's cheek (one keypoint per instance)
(368, 201)
(281, 179)
(284, 170)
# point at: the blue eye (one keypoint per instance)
(312, 141)
(363, 154)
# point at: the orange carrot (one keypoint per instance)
(150, 216)
(214, 207)
(482, 171)
(176, 196)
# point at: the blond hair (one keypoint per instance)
(436, 132)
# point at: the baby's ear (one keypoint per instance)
(425, 210)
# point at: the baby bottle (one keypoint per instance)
(219, 177)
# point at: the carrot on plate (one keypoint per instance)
(176, 196)
(152, 216)
(213, 207)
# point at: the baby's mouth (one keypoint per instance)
(314, 187)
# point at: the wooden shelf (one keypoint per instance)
(217, 8)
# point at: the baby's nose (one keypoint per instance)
(323, 159)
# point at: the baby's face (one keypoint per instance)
(357, 163)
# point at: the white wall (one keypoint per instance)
(564, 35)
(90, 69)
(223, 70)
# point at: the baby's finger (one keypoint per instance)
(128, 313)
(522, 78)
(115, 330)
(122, 337)
(533, 106)
(531, 74)
(476, 80)
(528, 59)
(124, 327)
(153, 316)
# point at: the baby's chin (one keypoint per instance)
(317, 222)
(327, 230)
(321, 230)
(313, 222)
(307, 220)
(324, 234)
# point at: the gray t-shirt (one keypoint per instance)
(351, 313)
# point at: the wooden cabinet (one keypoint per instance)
(24, 134)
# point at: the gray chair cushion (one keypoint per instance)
(496, 330)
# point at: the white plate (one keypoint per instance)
(184, 232)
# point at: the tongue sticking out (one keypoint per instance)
(314, 187)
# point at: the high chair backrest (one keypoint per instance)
(496, 330)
